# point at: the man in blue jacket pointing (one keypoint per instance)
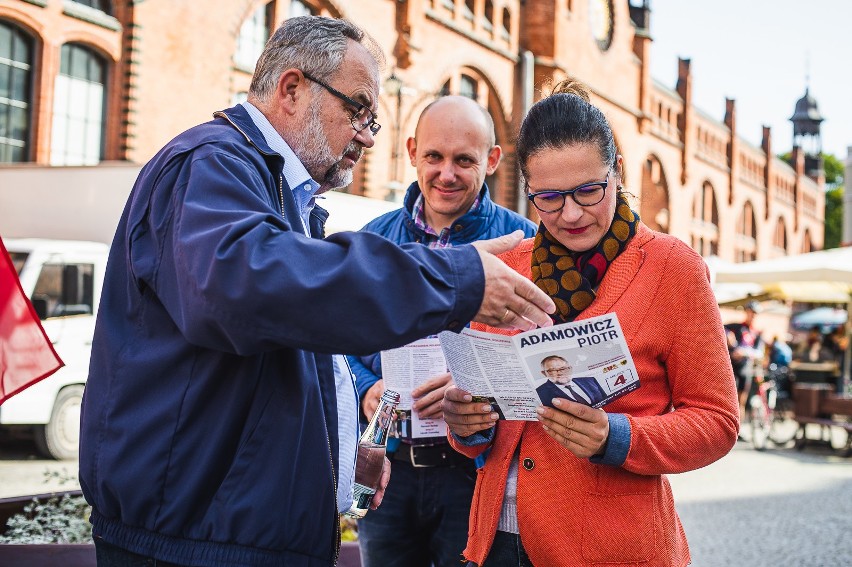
(217, 426)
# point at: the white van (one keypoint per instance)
(63, 280)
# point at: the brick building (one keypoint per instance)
(88, 81)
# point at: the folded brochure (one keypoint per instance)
(586, 361)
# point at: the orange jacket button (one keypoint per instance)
(529, 464)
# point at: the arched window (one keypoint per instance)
(488, 21)
(746, 240)
(807, 243)
(78, 107)
(469, 7)
(705, 220)
(468, 87)
(16, 57)
(780, 238)
(654, 205)
(253, 35)
(507, 24)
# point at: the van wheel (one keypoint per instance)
(60, 438)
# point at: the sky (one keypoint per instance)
(762, 53)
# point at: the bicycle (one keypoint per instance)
(768, 411)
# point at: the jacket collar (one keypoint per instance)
(239, 118)
(464, 229)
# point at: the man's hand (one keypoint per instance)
(371, 399)
(510, 301)
(577, 427)
(464, 416)
(430, 396)
(383, 484)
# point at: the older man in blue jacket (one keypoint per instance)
(217, 427)
(423, 520)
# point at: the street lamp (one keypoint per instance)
(393, 87)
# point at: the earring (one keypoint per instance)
(620, 187)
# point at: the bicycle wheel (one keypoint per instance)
(782, 428)
(759, 421)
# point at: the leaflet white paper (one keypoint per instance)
(586, 361)
(405, 368)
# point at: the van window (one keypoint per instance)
(18, 260)
(68, 289)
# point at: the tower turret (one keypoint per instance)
(806, 121)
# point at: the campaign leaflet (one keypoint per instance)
(405, 368)
(586, 361)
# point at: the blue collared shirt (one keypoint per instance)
(304, 190)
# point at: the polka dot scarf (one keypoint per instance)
(570, 278)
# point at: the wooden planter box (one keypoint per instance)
(49, 555)
(83, 555)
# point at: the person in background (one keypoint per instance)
(603, 469)
(780, 353)
(423, 518)
(746, 351)
(812, 348)
(837, 345)
(217, 426)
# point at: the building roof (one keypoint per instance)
(806, 110)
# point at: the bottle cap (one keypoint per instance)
(390, 397)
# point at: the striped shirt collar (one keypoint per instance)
(433, 238)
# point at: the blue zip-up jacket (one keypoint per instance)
(488, 220)
(209, 420)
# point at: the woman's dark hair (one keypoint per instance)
(565, 118)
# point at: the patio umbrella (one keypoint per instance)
(825, 317)
(824, 276)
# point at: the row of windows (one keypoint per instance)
(490, 14)
(704, 228)
(809, 205)
(79, 90)
(751, 170)
(706, 243)
(705, 235)
(79, 96)
(785, 189)
(711, 147)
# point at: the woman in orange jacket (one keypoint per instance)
(584, 486)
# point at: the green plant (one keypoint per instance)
(58, 520)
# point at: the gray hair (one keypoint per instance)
(314, 44)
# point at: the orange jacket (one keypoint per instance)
(572, 512)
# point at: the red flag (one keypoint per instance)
(26, 354)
